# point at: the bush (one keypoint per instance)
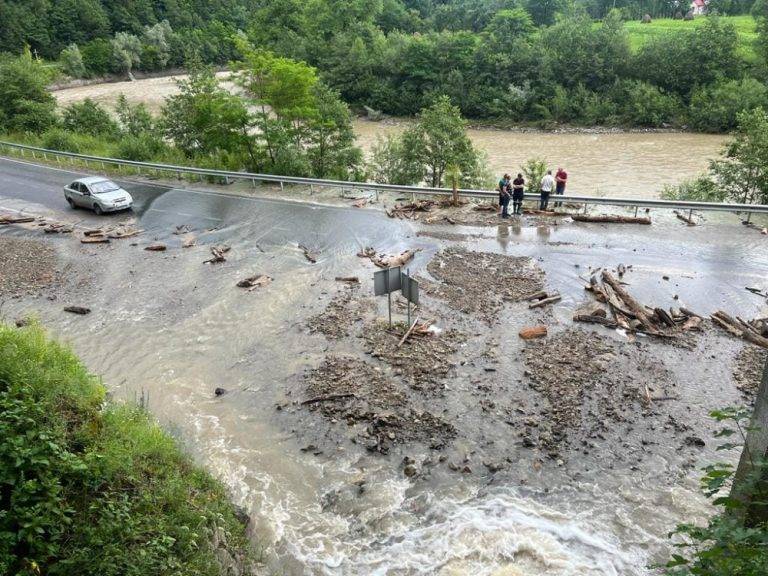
(88, 117)
(97, 57)
(643, 104)
(57, 139)
(25, 103)
(701, 189)
(715, 108)
(93, 490)
(140, 148)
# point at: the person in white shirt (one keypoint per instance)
(547, 185)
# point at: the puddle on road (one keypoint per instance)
(176, 329)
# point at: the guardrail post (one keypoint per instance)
(636, 208)
(690, 215)
(281, 186)
(34, 155)
(226, 179)
(413, 197)
(311, 188)
(749, 215)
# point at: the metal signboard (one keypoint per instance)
(386, 281)
(410, 289)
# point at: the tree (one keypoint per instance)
(134, 120)
(126, 52)
(390, 165)
(204, 119)
(98, 57)
(715, 108)
(25, 103)
(72, 61)
(330, 141)
(156, 42)
(543, 11)
(507, 26)
(439, 139)
(742, 172)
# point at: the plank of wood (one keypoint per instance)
(408, 333)
(536, 296)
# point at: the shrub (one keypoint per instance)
(57, 139)
(140, 148)
(701, 189)
(643, 104)
(88, 117)
(90, 489)
(97, 57)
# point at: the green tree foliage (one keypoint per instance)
(533, 171)
(92, 488)
(134, 120)
(72, 62)
(715, 108)
(156, 46)
(437, 140)
(88, 117)
(204, 119)
(726, 545)
(644, 104)
(390, 165)
(742, 172)
(25, 103)
(98, 57)
(544, 11)
(126, 52)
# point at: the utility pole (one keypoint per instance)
(750, 482)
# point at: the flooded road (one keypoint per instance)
(632, 164)
(169, 326)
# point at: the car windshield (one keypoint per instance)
(103, 187)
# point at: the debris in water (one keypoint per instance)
(253, 282)
(156, 247)
(218, 254)
(77, 310)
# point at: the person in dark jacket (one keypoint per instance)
(503, 189)
(518, 192)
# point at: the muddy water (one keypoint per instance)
(176, 329)
(635, 165)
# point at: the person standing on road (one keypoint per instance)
(561, 178)
(547, 184)
(503, 193)
(518, 192)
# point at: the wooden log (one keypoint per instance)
(688, 312)
(408, 333)
(611, 219)
(591, 319)
(685, 218)
(614, 302)
(725, 325)
(633, 305)
(551, 300)
(532, 332)
(94, 232)
(755, 339)
(348, 279)
(664, 316)
(155, 248)
(94, 240)
(16, 219)
(253, 282)
(82, 310)
(536, 296)
(308, 255)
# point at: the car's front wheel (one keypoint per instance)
(71, 203)
(97, 209)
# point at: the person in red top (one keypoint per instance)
(561, 178)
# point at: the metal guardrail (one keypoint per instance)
(228, 175)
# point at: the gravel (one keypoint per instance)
(26, 266)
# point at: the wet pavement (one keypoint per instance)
(172, 328)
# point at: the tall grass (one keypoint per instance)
(90, 487)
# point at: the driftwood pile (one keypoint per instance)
(383, 261)
(754, 331)
(103, 235)
(411, 210)
(217, 254)
(630, 314)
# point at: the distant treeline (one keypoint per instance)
(516, 61)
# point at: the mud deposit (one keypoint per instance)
(375, 407)
(591, 384)
(26, 266)
(480, 282)
(345, 309)
(748, 369)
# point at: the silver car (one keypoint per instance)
(98, 194)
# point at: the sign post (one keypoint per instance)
(386, 282)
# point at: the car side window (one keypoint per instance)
(84, 188)
(75, 186)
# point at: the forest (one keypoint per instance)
(539, 62)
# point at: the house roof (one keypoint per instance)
(700, 3)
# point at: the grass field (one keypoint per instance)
(640, 34)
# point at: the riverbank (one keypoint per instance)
(96, 486)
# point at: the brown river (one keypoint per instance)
(629, 164)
